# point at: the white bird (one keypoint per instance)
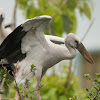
(29, 45)
(4, 32)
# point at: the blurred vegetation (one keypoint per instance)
(53, 86)
(64, 19)
(94, 92)
(62, 11)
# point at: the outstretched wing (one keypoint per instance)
(55, 39)
(12, 48)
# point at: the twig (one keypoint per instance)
(14, 16)
(61, 7)
(17, 89)
(23, 91)
(2, 84)
(7, 99)
(15, 72)
(97, 94)
(29, 90)
(26, 75)
(89, 27)
(68, 76)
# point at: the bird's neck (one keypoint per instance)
(68, 53)
(65, 53)
(71, 52)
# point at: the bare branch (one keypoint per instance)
(68, 76)
(14, 16)
(15, 72)
(29, 90)
(89, 27)
(2, 84)
(61, 8)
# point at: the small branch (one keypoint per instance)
(29, 90)
(26, 75)
(97, 93)
(89, 27)
(68, 76)
(14, 16)
(23, 91)
(17, 89)
(61, 8)
(2, 84)
(15, 72)
(7, 99)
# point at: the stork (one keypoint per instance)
(29, 45)
(4, 32)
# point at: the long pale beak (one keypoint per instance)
(85, 53)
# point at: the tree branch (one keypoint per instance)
(14, 16)
(29, 90)
(68, 76)
(2, 84)
(89, 27)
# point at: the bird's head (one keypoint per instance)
(72, 41)
(1, 15)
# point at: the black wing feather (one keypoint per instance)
(11, 46)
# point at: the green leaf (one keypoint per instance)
(88, 77)
(58, 26)
(86, 10)
(87, 89)
(32, 67)
(98, 75)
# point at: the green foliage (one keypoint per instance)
(52, 86)
(62, 11)
(32, 67)
(87, 76)
(94, 92)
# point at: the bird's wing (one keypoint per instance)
(11, 48)
(55, 39)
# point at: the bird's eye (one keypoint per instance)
(76, 44)
(76, 41)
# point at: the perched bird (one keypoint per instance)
(4, 32)
(28, 45)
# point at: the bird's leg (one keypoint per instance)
(38, 74)
(37, 91)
